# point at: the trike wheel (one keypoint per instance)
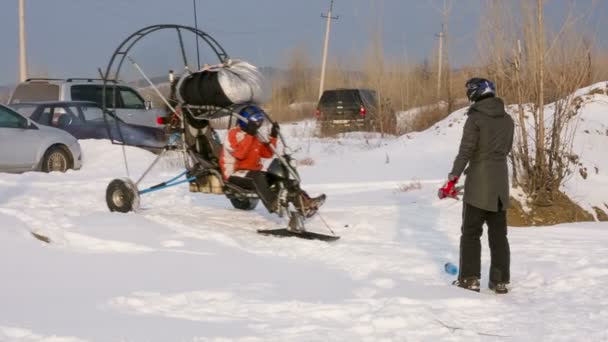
(122, 195)
(245, 204)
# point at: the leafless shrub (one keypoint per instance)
(306, 162)
(535, 67)
(409, 187)
(428, 117)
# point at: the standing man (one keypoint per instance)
(486, 141)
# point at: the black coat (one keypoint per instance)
(486, 142)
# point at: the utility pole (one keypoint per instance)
(442, 37)
(440, 62)
(326, 44)
(22, 52)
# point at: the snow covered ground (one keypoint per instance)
(188, 267)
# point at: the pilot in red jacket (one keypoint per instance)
(241, 159)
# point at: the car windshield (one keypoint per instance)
(369, 97)
(24, 109)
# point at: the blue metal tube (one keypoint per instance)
(168, 185)
(176, 177)
(171, 182)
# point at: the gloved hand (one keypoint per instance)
(274, 131)
(252, 128)
(450, 189)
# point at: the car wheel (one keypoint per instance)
(246, 204)
(122, 195)
(56, 159)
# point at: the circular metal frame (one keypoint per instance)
(112, 72)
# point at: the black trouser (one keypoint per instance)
(470, 244)
(257, 181)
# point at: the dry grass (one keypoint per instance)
(306, 162)
(427, 118)
(532, 63)
(560, 210)
(414, 185)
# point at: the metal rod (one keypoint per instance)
(124, 156)
(181, 45)
(176, 177)
(150, 167)
(198, 55)
(143, 74)
(149, 190)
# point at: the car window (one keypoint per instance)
(93, 93)
(65, 116)
(46, 116)
(369, 97)
(130, 99)
(334, 96)
(35, 92)
(92, 113)
(25, 109)
(72, 111)
(10, 119)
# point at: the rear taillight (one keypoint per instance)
(161, 120)
(362, 111)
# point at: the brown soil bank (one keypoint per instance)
(561, 210)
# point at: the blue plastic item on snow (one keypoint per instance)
(451, 268)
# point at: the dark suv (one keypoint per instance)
(346, 110)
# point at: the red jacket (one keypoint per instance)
(243, 151)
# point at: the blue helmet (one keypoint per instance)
(480, 88)
(251, 113)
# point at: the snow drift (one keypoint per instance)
(188, 267)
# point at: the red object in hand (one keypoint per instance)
(449, 189)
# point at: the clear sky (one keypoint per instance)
(70, 38)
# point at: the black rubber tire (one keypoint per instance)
(56, 159)
(122, 196)
(247, 204)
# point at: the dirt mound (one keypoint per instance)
(560, 210)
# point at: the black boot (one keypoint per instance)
(310, 205)
(499, 288)
(468, 284)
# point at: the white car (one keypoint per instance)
(27, 146)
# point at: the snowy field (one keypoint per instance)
(188, 267)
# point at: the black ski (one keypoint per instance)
(284, 232)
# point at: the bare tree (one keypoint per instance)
(532, 73)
